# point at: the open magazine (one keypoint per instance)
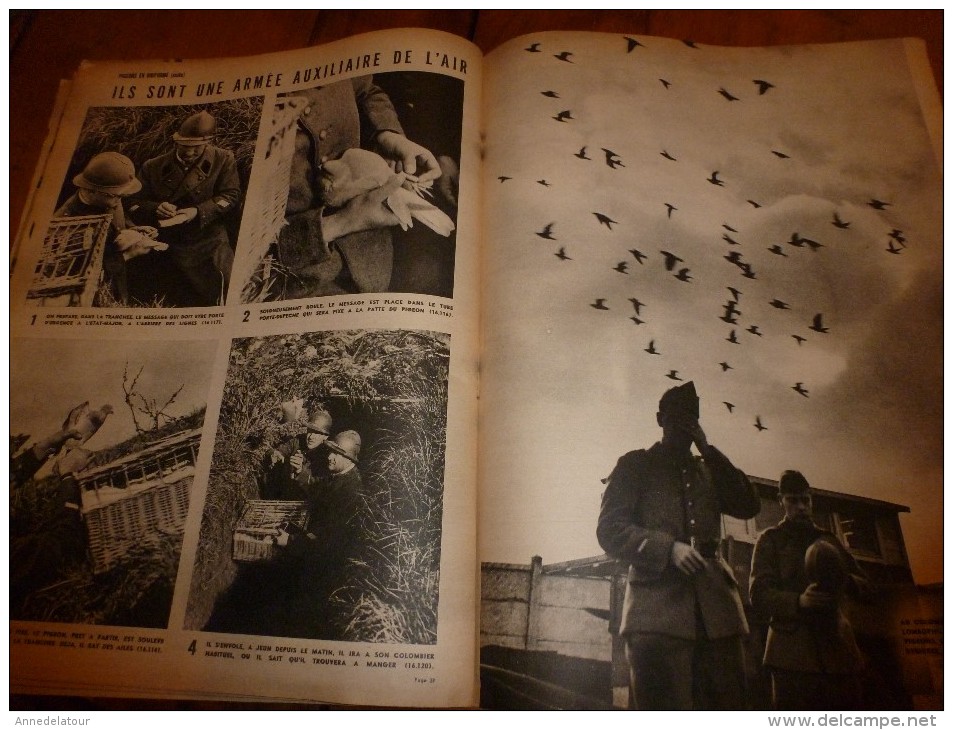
(321, 361)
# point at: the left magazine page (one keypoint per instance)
(244, 310)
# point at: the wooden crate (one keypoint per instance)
(262, 519)
(71, 260)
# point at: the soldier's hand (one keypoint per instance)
(296, 461)
(814, 599)
(283, 538)
(687, 559)
(166, 210)
(276, 457)
(408, 156)
(190, 213)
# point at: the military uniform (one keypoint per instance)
(199, 250)
(683, 632)
(331, 123)
(280, 483)
(813, 657)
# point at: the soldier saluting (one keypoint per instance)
(683, 619)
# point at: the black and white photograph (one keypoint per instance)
(358, 190)
(150, 210)
(103, 449)
(715, 272)
(324, 509)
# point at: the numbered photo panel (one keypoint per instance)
(149, 212)
(103, 448)
(325, 497)
(330, 214)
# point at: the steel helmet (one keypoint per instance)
(109, 172)
(197, 129)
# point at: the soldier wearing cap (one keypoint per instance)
(683, 620)
(107, 178)
(187, 192)
(292, 468)
(800, 575)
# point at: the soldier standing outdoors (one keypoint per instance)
(187, 192)
(800, 574)
(683, 620)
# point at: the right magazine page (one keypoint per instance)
(755, 234)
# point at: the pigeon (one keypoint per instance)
(632, 44)
(728, 95)
(651, 348)
(729, 228)
(734, 293)
(747, 271)
(725, 367)
(533, 48)
(729, 406)
(84, 423)
(639, 256)
(673, 375)
(714, 180)
(778, 304)
(637, 304)
(733, 338)
(892, 249)
(730, 316)
(550, 94)
(612, 159)
(799, 339)
(604, 220)
(670, 208)
(753, 329)
(665, 83)
(837, 222)
(818, 324)
(799, 388)
(690, 44)
(734, 257)
(637, 320)
(670, 260)
(877, 204)
(667, 155)
(561, 254)
(763, 86)
(547, 232)
(543, 183)
(776, 249)
(758, 425)
(622, 267)
(753, 203)
(897, 235)
(564, 56)
(781, 155)
(581, 154)
(564, 115)
(683, 275)
(729, 239)
(599, 304)
(503, 178)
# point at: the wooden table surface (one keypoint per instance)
(48, 45)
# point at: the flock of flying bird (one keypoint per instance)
(673, 263)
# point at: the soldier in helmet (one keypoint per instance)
(293, 466)
(187, 192)
(800, 574)
(683, 620)
(108, 178)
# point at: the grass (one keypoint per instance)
(391, 386)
